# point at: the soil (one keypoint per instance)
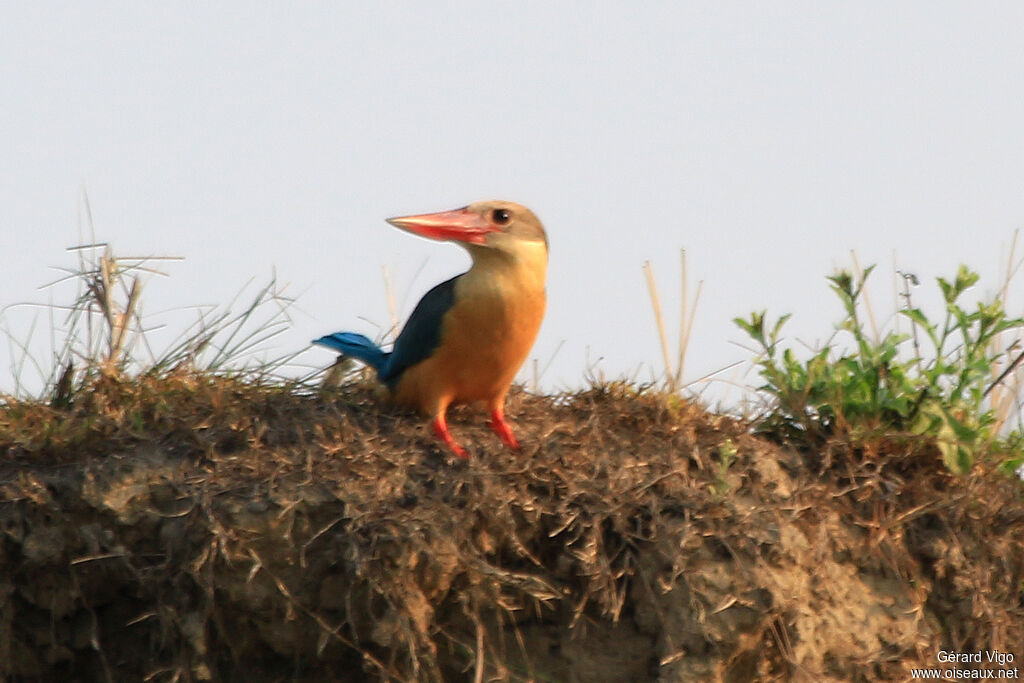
(192, 528)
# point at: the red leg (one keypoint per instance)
(441, 430)
(501, 428)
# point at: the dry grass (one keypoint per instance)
(1006, 393)
(102, 332)
(190, 526)
(674, 378)
(193, 521)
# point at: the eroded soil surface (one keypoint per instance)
(194, 529)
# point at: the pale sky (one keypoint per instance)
(768, 139)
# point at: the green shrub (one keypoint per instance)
(876, 388)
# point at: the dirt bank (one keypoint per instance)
(195, 528)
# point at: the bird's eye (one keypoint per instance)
(500, 216)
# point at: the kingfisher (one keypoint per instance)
(468, 336)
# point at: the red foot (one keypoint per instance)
(441, 430)
(501, 428)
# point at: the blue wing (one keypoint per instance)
(418, 339)
(422, 333)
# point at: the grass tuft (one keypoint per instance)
(103, 331)
(674, 378)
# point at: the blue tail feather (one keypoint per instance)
(356, 345)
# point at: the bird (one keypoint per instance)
(468, 336)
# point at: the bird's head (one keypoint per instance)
(494, 224)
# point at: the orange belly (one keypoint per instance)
(485, 338)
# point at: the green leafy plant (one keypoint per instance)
(878, 387)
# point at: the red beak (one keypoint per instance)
(461, 225)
